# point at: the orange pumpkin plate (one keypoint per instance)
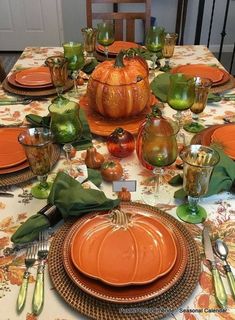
(34, 76)
(11, 151)
(201, 70)
(117, 46)
(137, 292)
(122, 249)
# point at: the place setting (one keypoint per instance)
(32, 82)
(15, 166)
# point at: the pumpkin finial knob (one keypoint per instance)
(120, 218)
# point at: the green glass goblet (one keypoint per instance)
(73, 51)
(199, 162)
(105, 35)
(159, 149)
(37, 143)
(89, 36)
(168, 49)
(180, 97)
(154, 42)
(202, 87)
(59, 73)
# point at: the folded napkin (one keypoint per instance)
(84, 142)
(160, 85)
(222, 178)
(71, 199)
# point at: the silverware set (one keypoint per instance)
(35, 252)
(221, 250)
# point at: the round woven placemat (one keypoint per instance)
(152, 309)
(226, 86)
(26, 174)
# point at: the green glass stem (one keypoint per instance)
(74, 77)
(158, 176)
(192, 202)
(43, 181)
(68, 148)
(59, 91)
(195, 117)
(106, 51)
(154, 59)
(194, 126)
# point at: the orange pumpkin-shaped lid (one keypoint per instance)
(121, 71)
(121, 248)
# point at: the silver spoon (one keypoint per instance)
(222, 252)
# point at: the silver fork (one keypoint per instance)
(30, 258)
(43, 249)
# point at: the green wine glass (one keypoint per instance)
(199, 162)
(37, 143)
(154, 42)
(58, 67)
(159, 149)
(180, 97)
(105, 35)
(202, 87)
(168, 49)
(73, 51)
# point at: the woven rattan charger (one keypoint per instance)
(152, 309)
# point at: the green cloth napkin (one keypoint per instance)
(71, 199)
(160, 85)
(222, 178)
(85, 141)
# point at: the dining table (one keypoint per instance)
(192, 300)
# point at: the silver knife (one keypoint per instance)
(220, 294)
(9, 102)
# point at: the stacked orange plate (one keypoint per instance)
(216, 75)
(12, 155)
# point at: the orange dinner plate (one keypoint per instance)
(120, 256)
(11, 151)
(34, 76)
(225, 137)
(201, 70)
(137, 292)
(12, 80)
(117, 46)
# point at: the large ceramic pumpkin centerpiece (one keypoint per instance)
(119, 88)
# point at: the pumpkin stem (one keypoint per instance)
(119, 60)
(120, 218)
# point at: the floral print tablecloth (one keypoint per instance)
(14, 211)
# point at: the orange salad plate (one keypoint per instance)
(173, 260)
(123, 256)
(11, 151)
(34, 76)
(117, 46)
(201, 70)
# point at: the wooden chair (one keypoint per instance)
(119, 17)
(2, 72)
